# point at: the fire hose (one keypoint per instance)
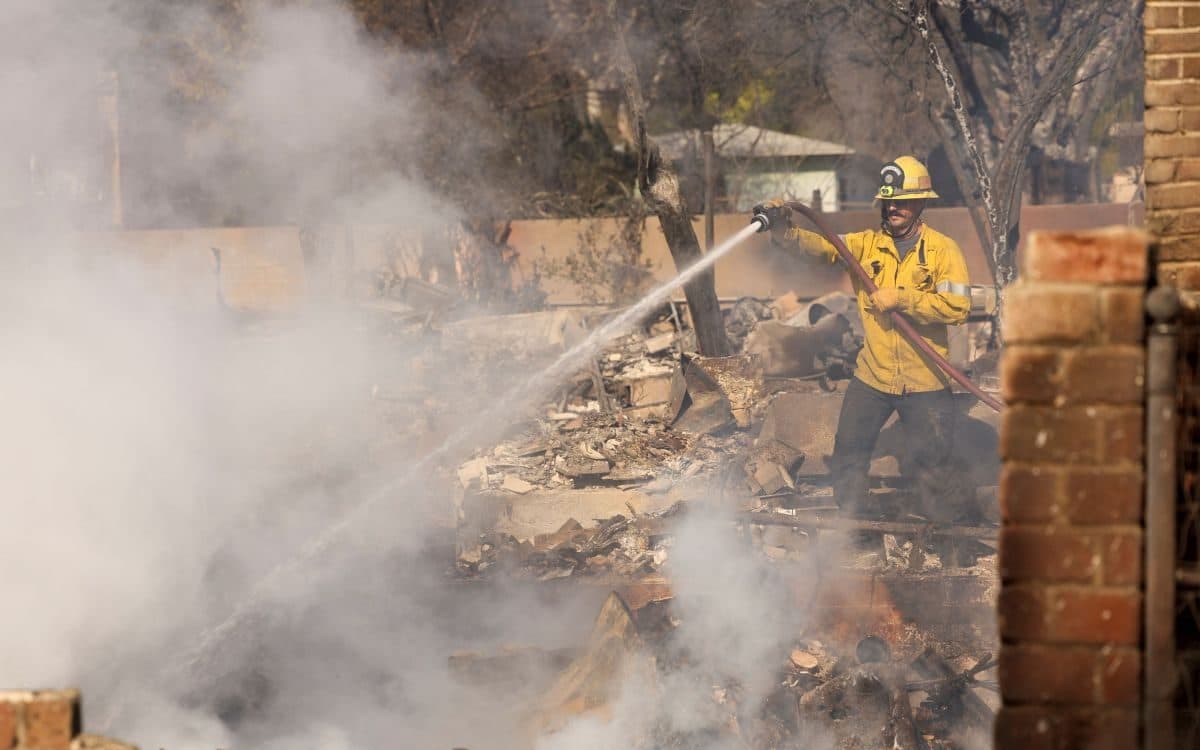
(763, 217)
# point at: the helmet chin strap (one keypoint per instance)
(912, 228)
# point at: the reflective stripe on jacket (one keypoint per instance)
(935, 292)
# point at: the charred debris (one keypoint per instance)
(893, 634)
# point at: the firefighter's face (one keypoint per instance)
(899, 216)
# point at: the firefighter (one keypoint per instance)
(920, 273)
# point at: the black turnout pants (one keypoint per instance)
(927, 420)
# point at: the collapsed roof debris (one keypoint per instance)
(594, 487)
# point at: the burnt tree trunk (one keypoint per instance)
(659, 185)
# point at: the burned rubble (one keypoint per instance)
(892, 650)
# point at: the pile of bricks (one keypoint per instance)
(1071, 492)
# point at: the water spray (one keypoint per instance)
(765, 217)
(199, 658)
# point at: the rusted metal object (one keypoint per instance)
(1163, 306)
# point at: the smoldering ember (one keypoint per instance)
(550, 375)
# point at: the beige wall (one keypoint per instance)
(264, 268)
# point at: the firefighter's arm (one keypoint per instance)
(950, 300)
(813, 243)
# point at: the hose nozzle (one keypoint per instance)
(761, 214)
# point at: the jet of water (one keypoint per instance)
(494, 421)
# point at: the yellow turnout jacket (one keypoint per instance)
(934, 293)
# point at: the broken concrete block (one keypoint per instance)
(570, 528)
(739, 377)
(580, 468)
(515, 485)
(771, 477)
(655, 411)
(697, 403)
(787, 351)
(806, 422)
(659, 343)
(785, 306)
(473, 472)
(771, 465)
(650, 391)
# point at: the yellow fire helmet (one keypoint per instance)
(904, 179)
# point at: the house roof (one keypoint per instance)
(741, 141)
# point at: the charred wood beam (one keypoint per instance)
(883, 527)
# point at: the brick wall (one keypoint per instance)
(1071, 493)
(47, 720)
(38, 720)
(1172, 119)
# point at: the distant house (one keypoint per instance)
(753, 164)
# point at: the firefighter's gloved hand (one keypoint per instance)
(779, 216)
(886, 299)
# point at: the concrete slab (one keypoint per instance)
(544, 511)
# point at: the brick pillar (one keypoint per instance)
(1172, 119)
(1071, 493)
(38, 720)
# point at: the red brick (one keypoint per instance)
(1043, 313)
(1169, 94)
(1122, 436)
(1027, 728)
(1045, 553)
(1021, 612)
(1160, 170)
(1120, 557)
(1164, 120)
(1158, 145)
(1104, 496)
(1091, 615)
(1163, 68)
(1179, 247)
(1030, 494)
(1162, 17)
(1183, 275)
(1191, 15)
(1049, 435)
(1114, 375)
(1066, 728)
(1123, 315)
(1029, 374)
(1120, 677)
(51, 720)
(8, 725)
(1173, 221)
(1169, 42)
(1189, 169)
(1189, 67)
(1099, 729)
(1173, 195)
(1047, 674)
(1112, 255)
(1189, 119)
